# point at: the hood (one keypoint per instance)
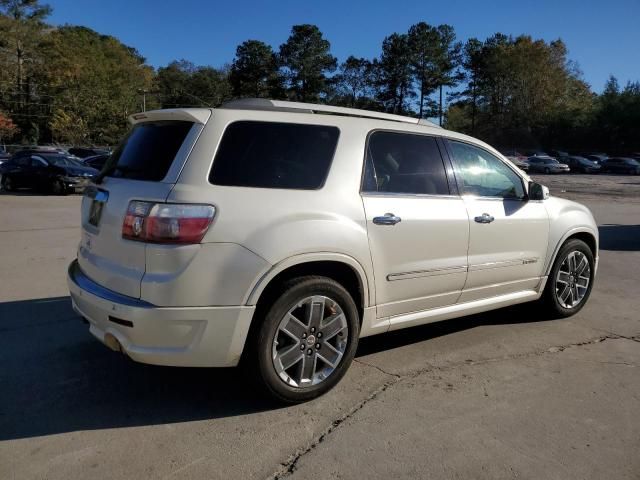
(77, 171)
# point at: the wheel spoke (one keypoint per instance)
(330, 355)
(566, 291)
(316, 311)
(308, 369)
(333, 325)
(584, 263)
(290, 357)
(294, 327)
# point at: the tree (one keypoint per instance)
(22, 26)
(306, 60)
(393, 74)
(93, 82)
(7, 128)
(254, 71)
(354, 82)
(183, 84)
(446, 59)
(422, 40)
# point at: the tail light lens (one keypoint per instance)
(167, 222)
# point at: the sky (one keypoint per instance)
(603, 37)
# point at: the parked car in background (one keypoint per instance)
(518, 159)
(50, 172)
(540, 164)
(558, 154)
(84, 152)
(581, 165)
(4, 156)
(213, 236)
(28, 151)
(621, 165)
(96, 161)
(596, 157)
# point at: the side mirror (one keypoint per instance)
(538, 191)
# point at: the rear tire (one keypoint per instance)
(306, 341)
(58, 188)
(570, 281)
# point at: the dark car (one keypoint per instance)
(97, 161)
(84, 152)
(581, 165)
(546, 165)
(599, 158)
(51, 172)
(621, 165)
(4, 156)
(558, 154)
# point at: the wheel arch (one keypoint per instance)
(581, 233)
(342, 268)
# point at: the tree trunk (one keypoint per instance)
(421, 95)
(440, 108)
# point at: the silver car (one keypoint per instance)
(543, 164)
(281, 233)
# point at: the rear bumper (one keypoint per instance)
(177, 336)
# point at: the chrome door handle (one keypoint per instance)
(484, 218)
(387, 219)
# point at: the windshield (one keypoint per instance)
(550, 161)
(62, 161)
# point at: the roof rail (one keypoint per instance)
(298, 107)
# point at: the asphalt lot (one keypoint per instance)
(507, 394)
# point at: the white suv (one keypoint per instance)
(280, 233)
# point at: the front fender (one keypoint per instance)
(566, 219)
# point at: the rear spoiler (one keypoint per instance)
(196, 115)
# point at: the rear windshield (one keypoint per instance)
(148, 150)
(274, 155)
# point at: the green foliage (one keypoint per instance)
(306, 60)
(394, 75)
(254, 71)
(182, 84)
(93, 83)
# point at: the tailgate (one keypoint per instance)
(143, 167)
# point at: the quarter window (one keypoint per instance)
(482, 174)
(404, 163)
(274, 155)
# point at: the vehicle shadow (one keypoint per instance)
(622, 238)
(56, 378)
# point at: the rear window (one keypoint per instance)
(148, 150)
(274, 155)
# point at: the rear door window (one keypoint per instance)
(274, 155)
(405, 164)
(148, 150)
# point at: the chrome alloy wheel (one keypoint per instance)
(310, 341)
(572, 281)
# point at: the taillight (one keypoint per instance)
(167, 222)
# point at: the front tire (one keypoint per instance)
(6, 184)
(307, 340)
(570, 281)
